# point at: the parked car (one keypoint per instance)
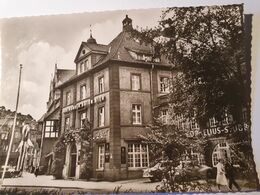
(190, 172)
(156, 172)
(183, 172)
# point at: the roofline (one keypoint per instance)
(103, 64)
(76, 60)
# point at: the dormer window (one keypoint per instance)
(143, 57)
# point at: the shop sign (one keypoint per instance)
(219, 130)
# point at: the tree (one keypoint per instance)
(206, 45)
(207, 50)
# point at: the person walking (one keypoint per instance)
(36, 172)
(230, 174)
(221, 179)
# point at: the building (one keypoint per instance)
(114, 88)
(6, 125)
(49, 123)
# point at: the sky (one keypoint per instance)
(40, 41)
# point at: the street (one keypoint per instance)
(143, 185)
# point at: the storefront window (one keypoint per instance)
(101, 156)
(138, 155)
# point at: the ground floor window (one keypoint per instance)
(138, 155)
(221, 151)
(198, 157)
(101, 156)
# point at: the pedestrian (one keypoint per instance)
(221, 179)
(36, 172)
(230, 174)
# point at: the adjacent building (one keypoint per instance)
(49, 123)
(29, 158)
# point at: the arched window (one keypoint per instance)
(221, 151)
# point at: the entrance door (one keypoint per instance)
(221, 151)
(73, 161)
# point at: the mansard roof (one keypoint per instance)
(118, 49)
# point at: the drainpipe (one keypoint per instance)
(151, 87)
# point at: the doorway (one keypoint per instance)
(73, 161)
(221, 151)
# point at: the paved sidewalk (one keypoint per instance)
(28, 180)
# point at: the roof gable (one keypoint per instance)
(83, 50)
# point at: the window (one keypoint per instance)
(82, 67)
(221, 151)
(16, 134)
(136, 82)
(67, 123)
(51, 129)
(213, 122)
(5, 148)
(83, 91)
(244, 115)
(87, 63)
(138, 155)
(101, 85)
(164, 116)
(193, 124)
(83, 117)
(197, 157)
(14, 147)
(68, 98)
(180, 121)
(4, 136)
(101, 156)
(227, 119)
(164, 84)
(101, 116)
(136, 114)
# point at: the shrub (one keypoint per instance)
(56, 168)
(85, 171)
